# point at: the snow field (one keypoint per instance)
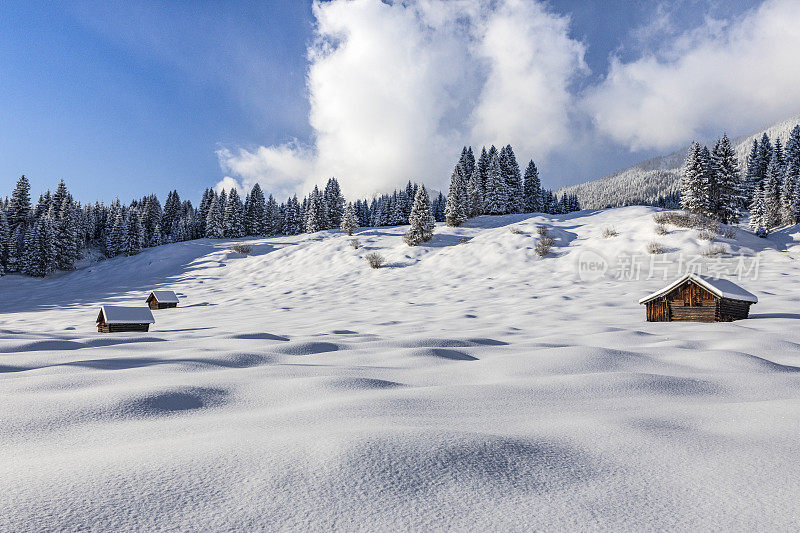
(462, 386)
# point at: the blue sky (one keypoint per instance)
(124, 99)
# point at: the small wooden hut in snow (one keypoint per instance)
(162, 300)
(699, 298)
(113, 319)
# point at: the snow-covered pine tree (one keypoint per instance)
(16, 249)
(772, 194)
(19, 207)
(117, 242)
(455, 211)
(135, 232)
(693, 185)
(273, 222)
(711, 189)
(255, 214)
(758, 213)
(172, 210)
(421, 219)
(202, 212)
(474, 194)
(316, 219)
(66, 232)
(232, 219)
(349, 222)
(483, 170)
(292, 220)
(791, 187)
(532, 189)
(496, 197)
(214, 220)
(5, 239)
(728, 182)
(764, 155)
(511, 173)
(334, 204)
(752, 179)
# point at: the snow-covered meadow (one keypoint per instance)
(464, 385)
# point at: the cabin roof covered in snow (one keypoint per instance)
(722, 288)
(164, 297)
(126, 315)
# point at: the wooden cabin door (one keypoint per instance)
(691, 295)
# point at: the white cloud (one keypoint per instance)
(397, 89)
(725, 75)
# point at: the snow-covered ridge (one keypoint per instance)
(468, 384)
(645, 182)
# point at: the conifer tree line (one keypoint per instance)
(56, 232)
(492, 184)
(714, 185)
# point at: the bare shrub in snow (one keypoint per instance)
(355, 244)
(541, 230)
(242, 248)
(375, 259)
(729, 233)
(609, 232)
(661, 218)
(655, 247)
(542, 249)
(661, 229)
(706, 235)
(715, 250)
(548, 241)
(463, 240)
(515, 230)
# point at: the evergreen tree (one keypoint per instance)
(511, 174)
(135, 233)
(764, 155)
(255, 212)
(19, 207)
(334, 204)
(475, 200)
(214, 225)
(349, 222)
(273, 222)
(232, 219)
(483, 170)
(496, 195)
(117, 242)
(728, 183)
(532, 189)
(791, 186)
(66, 232)
(15, 249)
(5, 239)
(316, 216)
(772, 193)
(292, 220)
(694, 194)
(758, 213)
(455, 210)
(421, 219)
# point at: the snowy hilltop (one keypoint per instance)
(475, 381)
(658, 178)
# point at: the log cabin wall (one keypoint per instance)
(116, 328)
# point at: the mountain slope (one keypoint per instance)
(644, 182)
(465, 385)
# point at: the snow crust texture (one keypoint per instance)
(468, 384)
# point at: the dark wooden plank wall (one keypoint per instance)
(690, 301)
(116, 328)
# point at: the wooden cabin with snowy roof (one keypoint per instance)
(699, 298)
(113, 319)
(162, 300)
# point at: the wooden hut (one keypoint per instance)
(162, 300)
(700, 299)
(113, 319)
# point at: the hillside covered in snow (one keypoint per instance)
(466, 384)
(645, 182)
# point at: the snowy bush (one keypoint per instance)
(548, 241)
(515, 230)
(661, 229)
(655, 247)
(706, 235)
(715, 250)
(541, 230)
(543, 246)
(609, 232)
(242, 248)
(463, 240)
(729, 233)
(355, 244)
(375, 259)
